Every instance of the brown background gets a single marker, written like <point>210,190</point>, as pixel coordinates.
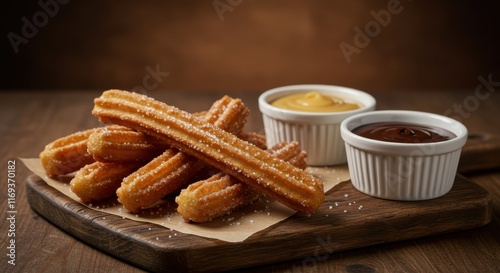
<point>252,45</point>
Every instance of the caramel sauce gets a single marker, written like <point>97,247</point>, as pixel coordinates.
<point>403,132</point>
<point>313,102</point>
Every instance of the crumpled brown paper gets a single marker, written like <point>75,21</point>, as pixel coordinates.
<point>234,227</point>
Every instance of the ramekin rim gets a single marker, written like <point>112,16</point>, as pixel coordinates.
<point>457,142</point>
<point>265,107</point>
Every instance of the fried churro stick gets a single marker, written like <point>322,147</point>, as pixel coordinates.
<point>256,139</point>
<point>276,178</point>
<point>66,154</point>
<point>222,194</point>
<point>216,196</point>
<point>98,181</point>
<point>122,144</point>
<point>169,171</point>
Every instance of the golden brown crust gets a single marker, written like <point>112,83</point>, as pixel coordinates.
<point>256,139</point>
<point>98,181</point>
<point>221,194</point>
<point>121,144</point>
<point>161,176</point>
<point>276,178</point>
<point>214,197</point>
<point>171,170</point>
<point>66,154</point>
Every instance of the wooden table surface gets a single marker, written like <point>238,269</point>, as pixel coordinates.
<point>32,119</point>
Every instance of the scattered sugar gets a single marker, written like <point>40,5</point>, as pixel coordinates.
<point>345,211</point>
<point>360,207</point>
<point>346,195</point>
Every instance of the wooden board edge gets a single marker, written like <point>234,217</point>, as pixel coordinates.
<point>315,244</point>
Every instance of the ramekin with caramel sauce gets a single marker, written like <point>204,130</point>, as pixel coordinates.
<point>311,114</point>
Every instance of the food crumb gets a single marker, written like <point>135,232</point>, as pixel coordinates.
<point>345,211</point>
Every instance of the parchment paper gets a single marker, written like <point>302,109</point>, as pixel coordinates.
<point>235,227</point>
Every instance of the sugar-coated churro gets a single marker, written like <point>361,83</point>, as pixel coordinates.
<point>256,139</point>
<point>121,144</point>
<point>216,196</point>
<point>274,177</point>
<point>66,154</point>
<point>221,194</point>
<point>161,176</point>
<point>169,171</point>
<point>98,181</point>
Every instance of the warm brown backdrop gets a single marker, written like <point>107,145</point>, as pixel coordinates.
<point>253,45</point>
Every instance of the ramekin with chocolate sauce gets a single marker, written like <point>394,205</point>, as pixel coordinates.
<point>311,114</point>
<point>403,155</point>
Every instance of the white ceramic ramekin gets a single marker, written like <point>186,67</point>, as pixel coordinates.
<point>403,171</point>
<point>317,133</point>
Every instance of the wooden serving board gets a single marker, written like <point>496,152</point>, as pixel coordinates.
<point>347,220</point>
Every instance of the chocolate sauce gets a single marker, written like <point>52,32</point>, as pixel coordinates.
<point>403,132</point>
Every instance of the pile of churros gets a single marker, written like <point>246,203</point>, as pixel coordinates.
<point>147,150</point>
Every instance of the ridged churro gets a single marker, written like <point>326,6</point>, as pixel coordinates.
<point>172,169</point>
<point>98,181</point>
<point>221,194</point>
<point>256,139</point>
<point>66,154</point>
<point>274,177</point>
<point>122,144</point>
<point>216,196</point>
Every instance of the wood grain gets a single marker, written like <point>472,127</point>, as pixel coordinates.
<point>481,152</point>
<point>32,119</point>
<point>347,220</point>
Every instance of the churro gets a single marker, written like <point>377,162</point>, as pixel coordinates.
<point>172,169</point>
<point>216,196</point>
<point>99,180</point>
<point>122,144</point>
<point>274,177</point>
<point>66,154</point>
<point>221,194</point>
<point>256,139</point>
